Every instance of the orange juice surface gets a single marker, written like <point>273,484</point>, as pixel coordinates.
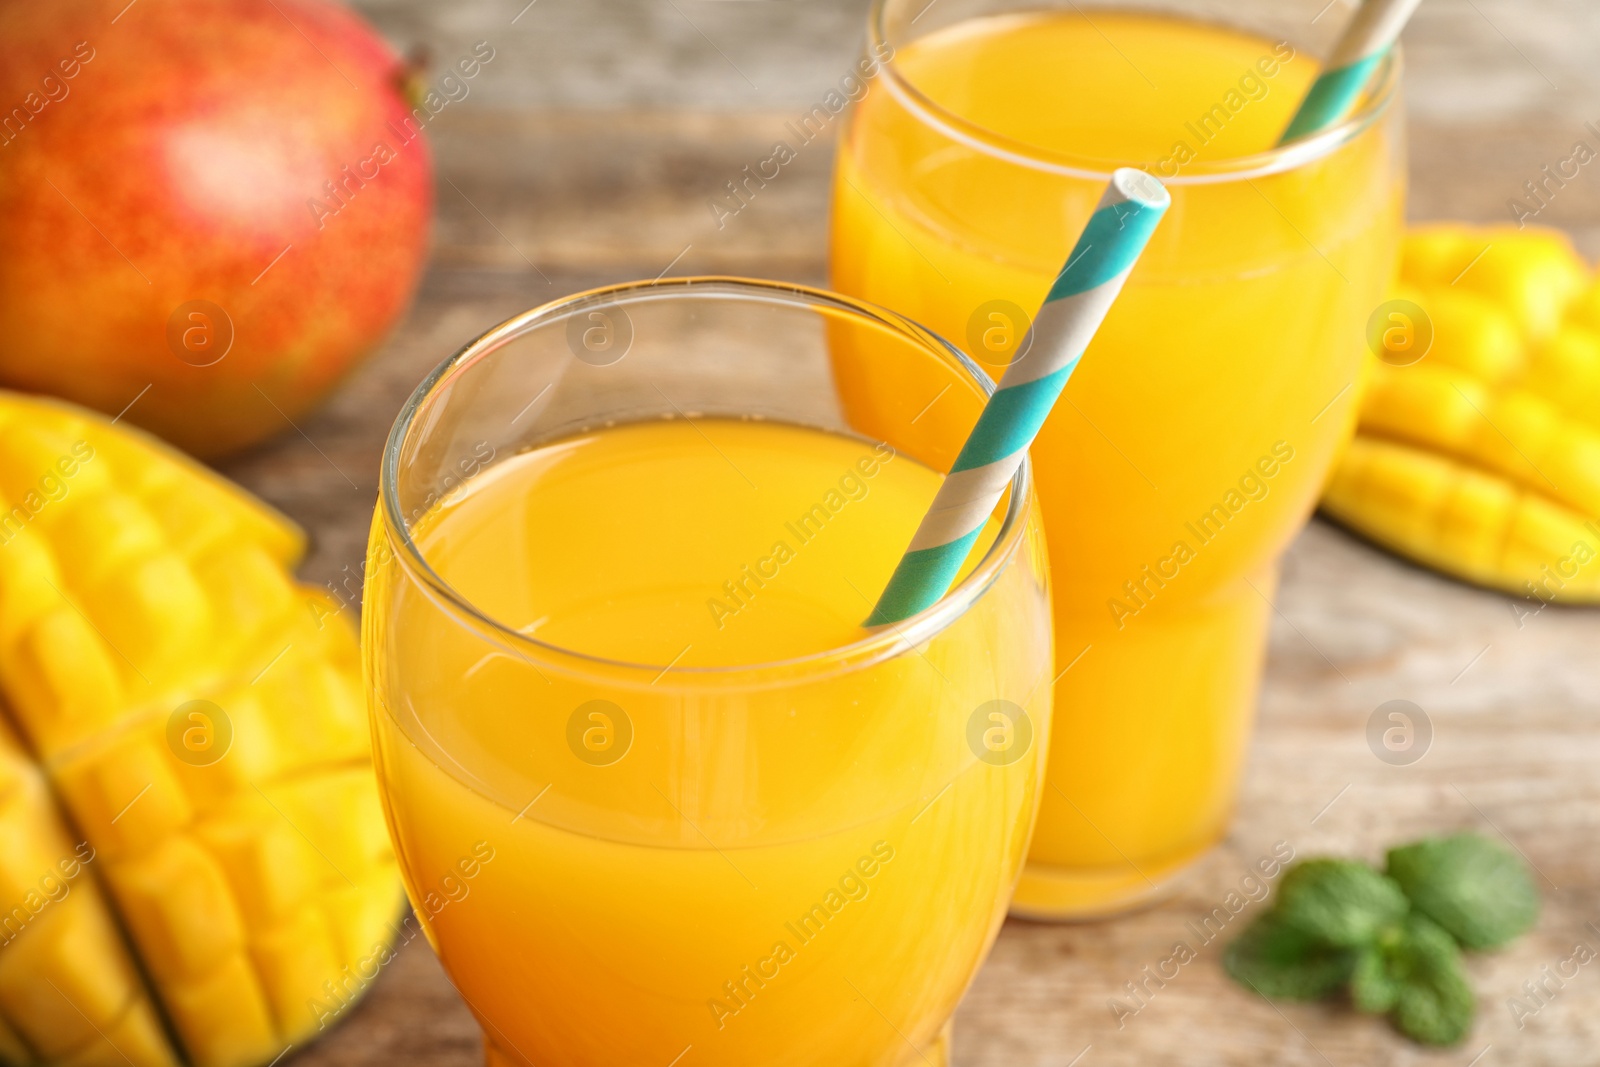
<point>799,865</point>
<point>1191,443</point>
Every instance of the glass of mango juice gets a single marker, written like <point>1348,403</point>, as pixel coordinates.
<point>657,796</point>
<point>1192,443</point>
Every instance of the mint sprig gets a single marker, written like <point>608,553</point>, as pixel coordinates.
<point>1391,939</point>
<point>1342,902</point>
<point>1413,972</point>
<point>1277,959</point>
<point>1474,888</point>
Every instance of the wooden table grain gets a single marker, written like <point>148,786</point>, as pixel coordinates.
<point>586,154</point>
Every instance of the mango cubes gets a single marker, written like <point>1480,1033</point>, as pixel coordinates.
<point>1480,457</point>
<point>193,861</point>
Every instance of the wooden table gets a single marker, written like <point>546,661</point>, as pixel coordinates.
<point>586,154</point>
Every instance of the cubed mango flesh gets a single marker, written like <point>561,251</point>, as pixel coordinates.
<point>1482,458</point>
<point>192,854</point>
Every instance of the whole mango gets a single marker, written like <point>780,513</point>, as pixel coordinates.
<point>1480,456</point>
<point>193,860</point>
<point>215,207</point>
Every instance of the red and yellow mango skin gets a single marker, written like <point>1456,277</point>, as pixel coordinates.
<point>214,206</point>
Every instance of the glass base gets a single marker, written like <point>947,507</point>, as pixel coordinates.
<point>1077,894</point>
<point>936,1054</point>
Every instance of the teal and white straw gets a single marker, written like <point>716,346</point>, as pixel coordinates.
<point>1371,33</point>
<point>1082,294</point>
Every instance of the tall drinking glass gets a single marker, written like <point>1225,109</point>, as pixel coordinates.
<point>1192,443</point>
<point>657,797</point>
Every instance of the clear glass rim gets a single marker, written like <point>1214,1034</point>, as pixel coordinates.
<point>873,647</point>
<point>1386,80</point>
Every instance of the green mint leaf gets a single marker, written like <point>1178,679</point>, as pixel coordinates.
<point>1434,1004</point>
<point>1478,890</point>
<point>1373,986</point>
<point>1280,960</point>
<point>1341,902</point>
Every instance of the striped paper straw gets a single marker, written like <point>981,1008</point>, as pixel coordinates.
<point>1371,33</point>
<point>1083,292</point>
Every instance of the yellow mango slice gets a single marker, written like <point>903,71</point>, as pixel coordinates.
<point>1435,254</point>
<point>200,717</point>
<point>1473,334</point>
<point>1534,273</point>
<point>67,980</point>
<point>1585,310</point>
<point>1482,460</point>
<point>1565,370</point>
<point>178,487</point>
<point>1515,433</point>
<point>1447,515</point>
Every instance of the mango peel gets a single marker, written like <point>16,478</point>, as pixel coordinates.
<point>194,866</point>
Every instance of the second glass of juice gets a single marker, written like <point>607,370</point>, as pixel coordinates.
<point>1192,443</point>
<point>658,798</point>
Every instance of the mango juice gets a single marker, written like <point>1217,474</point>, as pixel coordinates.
<point>762,848</point>
<point>1192,442</point>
